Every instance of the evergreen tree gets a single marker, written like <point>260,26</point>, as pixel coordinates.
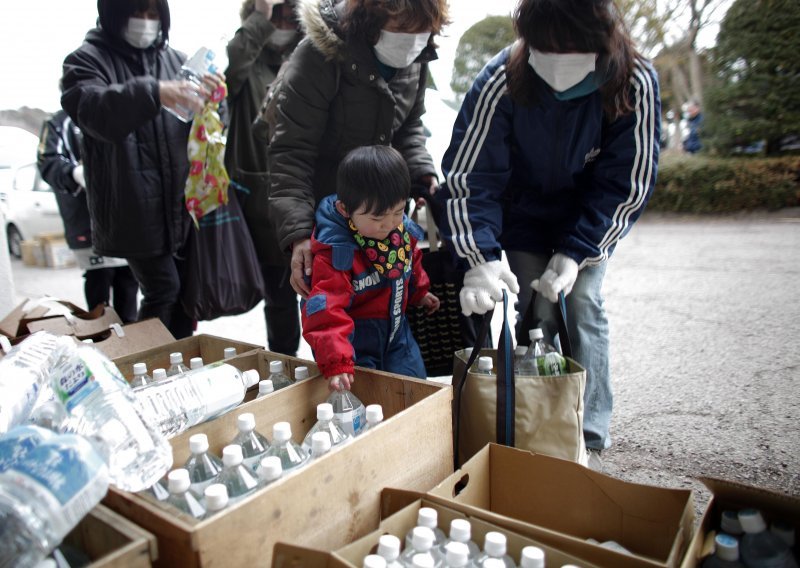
<point>476,47</point>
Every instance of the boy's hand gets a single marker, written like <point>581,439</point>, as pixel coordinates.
<point>341,382</point>
<point>430,303</point>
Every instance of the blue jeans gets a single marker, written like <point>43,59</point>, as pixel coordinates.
<point>588,330</point>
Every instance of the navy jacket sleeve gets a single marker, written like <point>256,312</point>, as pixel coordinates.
<point>54,159</point>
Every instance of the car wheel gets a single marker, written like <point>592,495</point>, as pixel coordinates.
<point>14,241</point>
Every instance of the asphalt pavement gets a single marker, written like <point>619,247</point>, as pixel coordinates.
<point>705,320</point>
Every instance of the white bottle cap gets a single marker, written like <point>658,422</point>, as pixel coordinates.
<point>159,374</point>
<point>216,496</point>
<point>275,366</point>
<point>246,422</point>
<point>229,352</point>
<point>320,444</point>
<point>532,557</point>
<point>178,481</point>
<point>493,563</point>
<point>301,373</point>
<point>175,358</point>
<point>325,411</point>
<point>195,363</point>
<point>389,547</point>
<point>198,443</point>
<point>495,544</point>
<point>535,334</point>
<point>467,352</point>
<point>265,386</point>
<point>460,530</point>
<point>232,455</point>
<point>422,561</point>
<point>427,517</point>
<point>282,432</point>
<point>520,350</point>
<point>88,340</point>
<point>726,547</point>
<point>422,539</point>
<point>783,530</point>
<point>271,468</point>
<point>457,554</point>
<point>374,413</point>
<point>485,363</point>
<point>251,378</point>
<point>752,521</point>
<point>729,522</point>
<point>139,369</point>
<point>374,561</point>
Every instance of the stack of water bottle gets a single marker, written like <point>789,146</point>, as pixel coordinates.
<point>745,540</point>
<point>205,484</point>
<point>426,546</point>
<point>538,359</point>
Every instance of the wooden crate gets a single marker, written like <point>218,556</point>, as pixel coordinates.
<point>328,503</point>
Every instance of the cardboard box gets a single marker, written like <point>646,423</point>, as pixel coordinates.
<point>32,253</point>
<point>111,541</point>
<point>737,496</point>
<point>57,254</point>
<point>119,341</point>
<point>561,504</point>
<point>328,503</point>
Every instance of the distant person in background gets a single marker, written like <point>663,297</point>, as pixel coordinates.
<point>59,161</point>
<point>268,35</point>
<point>694,123</point>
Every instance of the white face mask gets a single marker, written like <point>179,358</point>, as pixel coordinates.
<point>399,50</point>
<point>281,38</point>
<point>562,70</point>
<point>141,33</point>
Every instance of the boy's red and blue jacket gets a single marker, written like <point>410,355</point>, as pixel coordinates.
<point>346,288</point>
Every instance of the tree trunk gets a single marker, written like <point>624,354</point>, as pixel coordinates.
<point>695,76</point>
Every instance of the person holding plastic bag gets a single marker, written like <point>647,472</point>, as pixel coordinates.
<point>553,158</point>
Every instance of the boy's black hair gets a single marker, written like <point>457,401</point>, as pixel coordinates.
<point>373,176</point>
<point>114,15</point>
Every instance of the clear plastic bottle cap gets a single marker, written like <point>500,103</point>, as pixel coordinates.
<point>389,547</point>
<point>726,547</point>
<point>265,386</point>
<point>457,554</point>
<point>232,455</point>
<point>216,496</point>
<point>229,352</point>
<point>175,358</point>
<point>271,468</point>
<point>427,517</point>
<point>520,350</point>
<point>485,363</point>
<point>276,366</point>
<point>535,334</point>
<point>460,530</point>
<point>325,411</point>
<point>139,369</point>
<point>159,374</point>
<point>752,521</point>
<point>422,561</point>
<point>467,352</point>
<point>195,363</point>
<point>178,481</point>
<point>198,443</point>
<point>320,443</point>
<point>422,539</point>
<point>495,544</point>
<point>374,413</point>
<point>282,432</point>
<point>532,557</point>
<point>246,422</point>
<point>374,561</point>
<point>251,378</point>
<point>301,373</point>
<point>729,522</point>
<point>785,531</point>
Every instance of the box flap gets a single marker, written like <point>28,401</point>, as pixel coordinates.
<point>392,500</point>
<point>292,556</point>
<point>735,493</point>
<point>80,324</point>
<point>9,325</point>
<point>136,337</point>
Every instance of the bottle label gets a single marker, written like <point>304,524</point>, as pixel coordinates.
<point>74,381</point>
<point>20,441</point>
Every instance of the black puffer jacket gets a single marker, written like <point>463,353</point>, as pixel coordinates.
<point>134,151</point>
<point>333,99</point>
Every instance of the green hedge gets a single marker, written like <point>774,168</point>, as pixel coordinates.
<point>702,184</point>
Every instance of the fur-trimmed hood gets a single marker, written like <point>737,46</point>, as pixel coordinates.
<point>320,22</point>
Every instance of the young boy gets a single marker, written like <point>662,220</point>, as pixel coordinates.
<point>366,269</point>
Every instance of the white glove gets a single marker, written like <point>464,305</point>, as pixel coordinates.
<point>77,175</point>
<point>559,276</point>
<point>483,287</point>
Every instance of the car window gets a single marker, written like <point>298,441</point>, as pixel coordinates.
<point>27,178</point>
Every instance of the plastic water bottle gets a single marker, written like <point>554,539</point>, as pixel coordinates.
<point>325,423</point>
<point>24,372</point>
<point>519,354</point>
<point>195,363</point>
<point>348,412</point>
<point>300,373</point>
<point>159,374</point>
<point>17,443</point>
<point>237,479</point>
<point>785,531</point>
<point>229,353</point>
<point>158,490</point>
<point>531,557</point>
<point>102,406</point>
<point>422,544</point>
<point>320,444</point>
<point>203,467</point>
<point>291,454</point>
<point>277,376</point>
<point>529,364</point>
<point>494,546</point>
<point>726,553</point>
<point>199,64</point>
<point>176,366</point>
<point>269,470</point>
<point>45,495</point>
<point>140,376</point>
<point>461,532</point>
<point>254,445</point>
<point>429,518</point>
<point>548,361</point>
<point>729,522</point>
<point>265,387</point>
<point>374,414</point>
<point>456,555</point>
<point>760,548</point>
<point>177,403</point>
<point>49,414</point>
<point>494,563</point>
<point>374,561</point>
<point>389,550</point>
<point>179,495</point>
<point>216,498</point>
<point>485,365</point>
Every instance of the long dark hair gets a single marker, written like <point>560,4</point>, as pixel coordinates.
<point>579,26</point>
<point>114,15</point>
<point>364,19</point>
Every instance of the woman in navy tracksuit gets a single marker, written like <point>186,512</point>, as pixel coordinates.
<point>553,158</point>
